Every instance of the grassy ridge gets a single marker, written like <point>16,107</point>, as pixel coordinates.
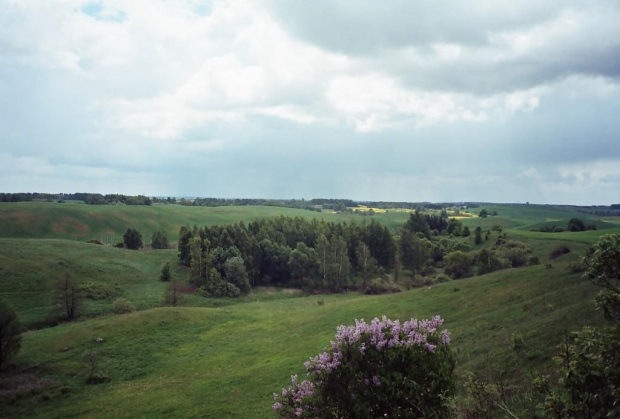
<point>226,362</point>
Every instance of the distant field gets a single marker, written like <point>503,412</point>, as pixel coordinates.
<point>109,222</point>
<point>226,362</point>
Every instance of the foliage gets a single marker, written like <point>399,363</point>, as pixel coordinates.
<point>590,359</point>
<point>123,306</point>
<point>375,370</point>
<point>172,295</point>
<point>99,290</point>
<point>10,337</point>
<point>217,287</point>
<point>590,376</point>
<point>483,214</point>
<point>236,274</point>
<point>164,273</point>
<point>159,240</point>
<point>576,224</point>
<point>602,263</point>
<point>458,264</point>
<point>132,239</point>
<point>380,286</point>
<point>69,296</point>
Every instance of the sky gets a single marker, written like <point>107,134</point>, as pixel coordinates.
<point>472,100</point>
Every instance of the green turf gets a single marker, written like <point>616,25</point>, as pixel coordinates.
<point>226,362</point>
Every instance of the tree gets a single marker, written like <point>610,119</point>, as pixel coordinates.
<point>417,224</point>
<point>483,214</point>
<point>381,369</point>
<point>132,239</point>
<point>589,359</point>
<point>576,224</point>
<point>322,251</point>
<point>366,263</point>
<point>10,337</point>
<point>478,235</point>
<point>159,240</point>
<point>458,264</point>
<point>69,296</point>
<point>172,295</point>
<point>198,264</point>
<point>602,263</point>
<point>466,232</point>
<point>303,262</point>
<point>234,268</point>
<point>164,274</point>
<point>413,251</point>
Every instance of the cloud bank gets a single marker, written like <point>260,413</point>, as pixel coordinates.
<point>468,100</point>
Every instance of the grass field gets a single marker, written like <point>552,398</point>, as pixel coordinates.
<point>108,222</point>
<point>224,358</point>
<point>226,362</point>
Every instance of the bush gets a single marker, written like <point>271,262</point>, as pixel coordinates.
<point>458,264</point>
<point>381,369</point>
<point>559,251</point>
<point>10,337</point>
<point>217,287</point>
<point>123,306</point>
<point>159,240</point>
<point>380,286</point>
<point>164,274</point>
<point>441,278</point>
<point>99,291</point>
<point>94,241</point>
<point>132,239</point>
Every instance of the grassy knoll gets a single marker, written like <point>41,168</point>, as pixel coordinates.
<point>109,222</point>
<point>226,362</point>
<point>29,269</point>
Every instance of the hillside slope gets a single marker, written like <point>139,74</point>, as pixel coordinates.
<point>226,362</point>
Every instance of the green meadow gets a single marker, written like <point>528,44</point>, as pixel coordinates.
<point>225,358</point>
<point>108,222</point>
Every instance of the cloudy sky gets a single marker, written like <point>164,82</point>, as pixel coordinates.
<point>485,100</point>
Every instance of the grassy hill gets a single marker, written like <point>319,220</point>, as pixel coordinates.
<point>226,362</point>
<point>108,222</point>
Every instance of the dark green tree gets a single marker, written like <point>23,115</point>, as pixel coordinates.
<point>478,235</point>
<point>576,224</point>
<point>164,274</point>
<point>159,240</point>
<point>417,224</point>
<point>10,337</point>
<point>132,239</point>
<point>303,262</point>
<point>414,251</point>
<point>483,214</point>
<point>234,269</point>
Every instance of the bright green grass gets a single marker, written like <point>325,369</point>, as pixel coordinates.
<point>226,362</point>
<point>108,222</point>
<point>29,268</point>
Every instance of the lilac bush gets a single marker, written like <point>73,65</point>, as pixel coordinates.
<point>376,369</point>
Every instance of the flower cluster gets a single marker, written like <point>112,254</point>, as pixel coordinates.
<point>380,333</point>
<point>367,339</point>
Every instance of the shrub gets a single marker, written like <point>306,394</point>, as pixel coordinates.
<point>458,264</point>
<point>95,241</point>
<point>159,240</point>
<point>132,239</point>
<point>10,337</point>
<point>381,369</point>
<point>99,291</point>
<point>441,278</point>
<point>123,306</point>
<point>164,274</point>
<point>380,286</point>
<point>559,251</point>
